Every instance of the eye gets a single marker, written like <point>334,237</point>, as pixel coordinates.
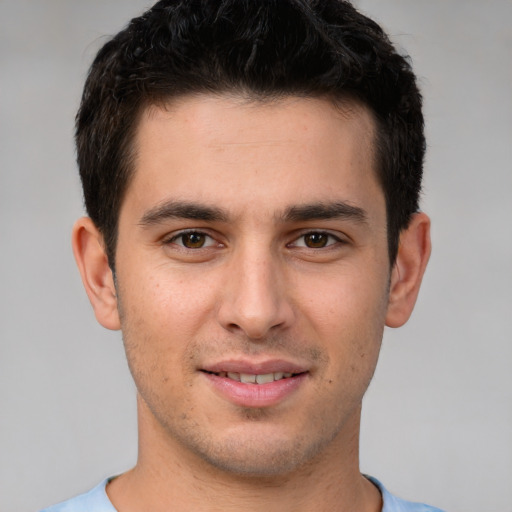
<point>192,240</point>
<point>316,240</point>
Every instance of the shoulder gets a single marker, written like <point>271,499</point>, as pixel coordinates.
<point>96,500</point>
<point>392,503</point>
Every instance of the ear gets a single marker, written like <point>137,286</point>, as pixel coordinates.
<point>407,273</point>
<point>90,256</point>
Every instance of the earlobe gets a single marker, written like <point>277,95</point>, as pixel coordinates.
<point>411,262</point>
<point>96,274</point>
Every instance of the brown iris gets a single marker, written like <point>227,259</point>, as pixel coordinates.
<point>193,240</point>
<point>316,240</point>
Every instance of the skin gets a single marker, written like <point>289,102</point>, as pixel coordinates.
<point>261,280</point>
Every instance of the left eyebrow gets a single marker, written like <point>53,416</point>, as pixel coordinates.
<point>324,211</point>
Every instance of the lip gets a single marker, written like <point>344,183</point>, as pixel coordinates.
<point>256,368</point>
<point>255,395</point>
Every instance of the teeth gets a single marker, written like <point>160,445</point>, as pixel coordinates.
<point>263,379</point>
<point>248,378</point>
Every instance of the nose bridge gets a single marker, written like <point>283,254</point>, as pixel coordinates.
<point>256,298</point>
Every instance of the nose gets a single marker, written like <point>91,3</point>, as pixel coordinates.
<point>256,299</point>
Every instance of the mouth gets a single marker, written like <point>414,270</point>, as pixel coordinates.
<point>250,378</point>
<point>249,385</point>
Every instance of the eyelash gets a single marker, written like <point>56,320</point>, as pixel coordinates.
<point>330,240</point>
<point>173,239</point>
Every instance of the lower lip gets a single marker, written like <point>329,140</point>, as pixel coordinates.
<point>256,395</point>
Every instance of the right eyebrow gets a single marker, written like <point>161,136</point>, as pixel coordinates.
<point>182,210</point>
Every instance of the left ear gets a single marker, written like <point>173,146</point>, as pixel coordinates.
<point>407,273</point>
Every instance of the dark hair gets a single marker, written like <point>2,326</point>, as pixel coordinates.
<point>261,49</point>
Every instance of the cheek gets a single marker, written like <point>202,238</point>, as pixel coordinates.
<point>346,315</point>
<point>168,304</point>
<point>349,298</point>
<point>161,314</point>
<point>148,321</point>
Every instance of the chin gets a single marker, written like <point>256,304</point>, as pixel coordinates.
<point>256,462</point>
<point>261,455</point>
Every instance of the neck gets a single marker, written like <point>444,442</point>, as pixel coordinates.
<point>167,476</point>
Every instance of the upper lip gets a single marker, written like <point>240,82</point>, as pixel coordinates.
<point>254,368</point>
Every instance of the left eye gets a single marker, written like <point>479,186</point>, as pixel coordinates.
<point>192,240</point>
<point>315,240</point>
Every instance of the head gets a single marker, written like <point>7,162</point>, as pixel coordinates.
<point>263,51</point>
<point>250,168</point>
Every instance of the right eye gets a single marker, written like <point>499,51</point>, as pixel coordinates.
<point>192,240</point>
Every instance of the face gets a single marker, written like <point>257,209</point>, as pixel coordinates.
<point>252,278</point>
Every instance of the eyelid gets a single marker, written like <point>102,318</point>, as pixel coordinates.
<point>338,239</point>
<point>172,237</point>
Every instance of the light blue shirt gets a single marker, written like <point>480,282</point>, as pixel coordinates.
<point>97,500</point>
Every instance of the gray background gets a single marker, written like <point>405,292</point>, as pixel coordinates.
<point>437,425</point>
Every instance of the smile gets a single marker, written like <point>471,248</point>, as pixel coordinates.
<point>249,378</point>
<point>255,389</point>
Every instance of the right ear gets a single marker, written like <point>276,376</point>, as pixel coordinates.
<point>91,258</point>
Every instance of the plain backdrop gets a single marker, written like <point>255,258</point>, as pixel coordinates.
<point>437,420</point>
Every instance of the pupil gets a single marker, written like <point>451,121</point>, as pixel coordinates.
<point>316,240</point>
<point>194,240</point>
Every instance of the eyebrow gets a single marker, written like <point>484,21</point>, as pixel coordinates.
<point>182,210</point>
<point>324,211</point>
<point>298,213</point>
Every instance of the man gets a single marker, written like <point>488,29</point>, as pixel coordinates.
<point>251,171</point>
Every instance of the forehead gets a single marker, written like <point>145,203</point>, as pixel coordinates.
<point>219,118</point>
<point>227,148</point>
